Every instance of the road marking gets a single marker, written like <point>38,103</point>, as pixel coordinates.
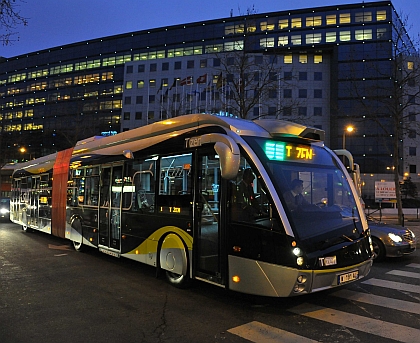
<point>403,273</point>
<point>262,333</point>
<point>377,300</point>
<point>413,265</point>
<point>372,326</point>
<point>393,285</point>
<point>58,247</point>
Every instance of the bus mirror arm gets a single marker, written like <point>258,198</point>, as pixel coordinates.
<point>228,152</point>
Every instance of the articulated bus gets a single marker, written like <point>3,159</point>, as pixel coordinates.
<point>169,195</point>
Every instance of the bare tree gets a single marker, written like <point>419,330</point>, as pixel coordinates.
<point>387,94</point>
<point>10,18</point>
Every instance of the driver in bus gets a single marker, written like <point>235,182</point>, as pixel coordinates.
<point>294,198</point>
<point>245,197</point>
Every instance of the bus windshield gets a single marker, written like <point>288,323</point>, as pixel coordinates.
<point>314,190</point>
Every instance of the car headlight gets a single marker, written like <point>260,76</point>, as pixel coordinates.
<point>4,210</point>
<point>395,238</point>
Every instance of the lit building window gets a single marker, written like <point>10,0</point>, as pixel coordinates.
<point>363,34</point>
<point>331,19</point>
<point>129,85</point>
<point>345,18</point>
<point>283,23</point>
<point>381,15</point>
<point>410,65</point>
<point>296,22</point>
<point>330,37</point>
<point>140,83</point>
<point>303,58</point>
<point>265,26</point>
<point>345,36</point>
<point>283,40</point>
<point>313,21</point>
<point>267,42</point>
<point>313,38</point>
<point>287,59</point>
<point>317,58</point>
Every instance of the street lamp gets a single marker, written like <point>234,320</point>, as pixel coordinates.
<point>348,129</point>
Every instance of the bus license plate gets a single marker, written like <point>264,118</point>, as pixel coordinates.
<point>343,278</point>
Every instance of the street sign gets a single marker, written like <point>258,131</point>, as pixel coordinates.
<point>385,192</point>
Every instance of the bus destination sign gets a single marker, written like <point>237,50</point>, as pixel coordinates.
<point>282,151</point>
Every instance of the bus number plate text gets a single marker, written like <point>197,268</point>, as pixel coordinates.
<point>343,278</point>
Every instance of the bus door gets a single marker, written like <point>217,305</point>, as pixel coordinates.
<point>207,235</point>
<point>110,207</point>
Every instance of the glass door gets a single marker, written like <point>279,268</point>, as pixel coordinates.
<point>110,207</point>
<point>207,220</point>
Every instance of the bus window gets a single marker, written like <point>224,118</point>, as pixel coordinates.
<point>175,185</point>
<point>139,186</point>
<point>249,198</point>
<point>92,186</point>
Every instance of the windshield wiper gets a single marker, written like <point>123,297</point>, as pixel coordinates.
<point>329,243</point>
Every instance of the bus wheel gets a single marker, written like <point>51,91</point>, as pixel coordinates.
<point>26,228</point>
<point>177,280</point>
<point>78,246</point>
<point>174,260</point>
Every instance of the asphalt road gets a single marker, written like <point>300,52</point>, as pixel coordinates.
<point>51,293</point>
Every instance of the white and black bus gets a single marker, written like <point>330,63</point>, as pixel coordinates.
<point>171,195</point>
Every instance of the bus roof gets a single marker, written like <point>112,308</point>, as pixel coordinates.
<point>145,136</point>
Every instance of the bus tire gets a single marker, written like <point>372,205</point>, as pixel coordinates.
<point>173,258</point>
<point>77,226</point>
<point>177,280</point>
<point>78,246</point>
<point>25,228</point>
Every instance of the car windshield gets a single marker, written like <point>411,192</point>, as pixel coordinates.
<point>4,202</point>
<point>314,190</point>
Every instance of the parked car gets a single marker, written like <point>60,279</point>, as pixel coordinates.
<point>390,240</point>
<point>4,208</point>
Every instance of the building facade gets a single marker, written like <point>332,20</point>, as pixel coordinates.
<point>326,66</point>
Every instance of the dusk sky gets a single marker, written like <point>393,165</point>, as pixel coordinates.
<point>53,23</point>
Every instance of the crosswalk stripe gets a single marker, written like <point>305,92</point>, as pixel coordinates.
<point>393,285</point>
<point>377,300</point>
<point>262,333</point>
<point>403,273</point>
<point>372,326</point>
<point>413,265</point>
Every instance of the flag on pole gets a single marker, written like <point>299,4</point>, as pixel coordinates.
<point>202,79</point>
<point>187,81</point>
<point>219,83</point>
<point>173,84</point>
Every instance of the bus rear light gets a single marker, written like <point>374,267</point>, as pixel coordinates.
<point>236,278</point>
<point>236,248</point>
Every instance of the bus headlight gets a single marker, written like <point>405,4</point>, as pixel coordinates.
<point>297,251</point>
<point>299,261</point>
<point>300,284</point>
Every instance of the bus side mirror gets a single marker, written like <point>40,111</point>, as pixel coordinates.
<point>228,151</point>
<point>229,161</point>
